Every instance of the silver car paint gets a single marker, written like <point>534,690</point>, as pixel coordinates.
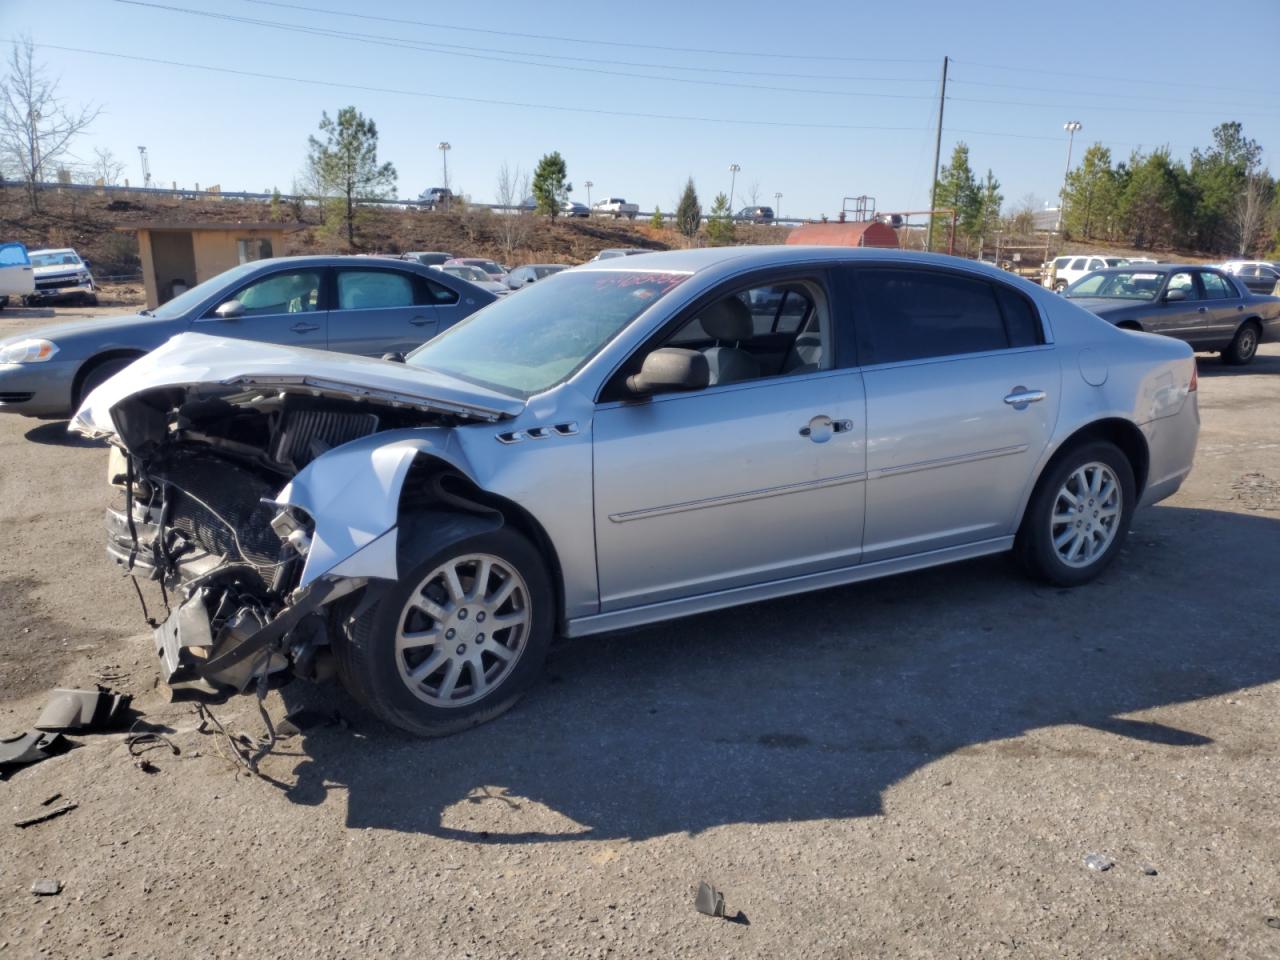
<point>707,510</point>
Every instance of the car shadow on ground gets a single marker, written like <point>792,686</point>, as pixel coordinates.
<point>54,433</point>
<point>813,706</point>
<point>12,312</point>
<point>1262,363</point>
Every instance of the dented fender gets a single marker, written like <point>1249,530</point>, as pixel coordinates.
<point>352,495</point>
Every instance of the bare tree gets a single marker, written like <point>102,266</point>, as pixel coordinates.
<point>513,224</point>
<point>106,167</point>
<point>1249,212</point>
<point>36,128</point>
<point>753,193</point>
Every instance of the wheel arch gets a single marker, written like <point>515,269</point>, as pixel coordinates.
<point>1129,325</point>
<point>1116,430</point>
<point>436,486</point>
<point>97,360</point>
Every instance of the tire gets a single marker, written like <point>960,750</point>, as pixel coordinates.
<point>1048,548</point>
<point>1244,347</point>
<point>381,676</point>
<point>4,302</point>
<point>98,374</point>
<point>89,300</point>
<point>1059,286</point>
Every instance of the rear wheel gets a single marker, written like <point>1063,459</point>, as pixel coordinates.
<point>457,641</point>
<point>1079,515</point>
<point>1244,347</point>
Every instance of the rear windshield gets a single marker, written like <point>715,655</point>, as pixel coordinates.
<point>1121,285</point>
<point>527,344</point>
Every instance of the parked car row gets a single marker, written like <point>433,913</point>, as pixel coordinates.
<point>627,442</point>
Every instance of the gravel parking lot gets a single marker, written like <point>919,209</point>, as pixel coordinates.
<point>913,767</point>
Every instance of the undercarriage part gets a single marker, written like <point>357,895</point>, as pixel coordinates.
<point>28,748</point>
<point>83,710</point>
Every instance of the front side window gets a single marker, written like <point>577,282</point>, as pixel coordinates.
<point>527,344</point>
<point>293,292</point>
<point>1078,264</point>
<point>919,314</point>
<point>1184,282</point>
<point>1096,264</point>
<point>373,289</point>
<point>1216,287</point>
<point>13,255</point>
<point>767,331</point>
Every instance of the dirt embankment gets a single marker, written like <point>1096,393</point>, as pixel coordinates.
<point>89,222</point>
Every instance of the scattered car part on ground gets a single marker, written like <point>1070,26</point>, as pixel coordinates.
<point>368,305</point>
<point>61,275</point>
<point>46,888</point>
<point>45,815</point>
<point>26,748</point>
<point>708,900</point>
<point>1203,306</point>
<point>428,525</point>
<point>88,711</point>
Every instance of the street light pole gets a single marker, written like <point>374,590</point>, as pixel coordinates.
<point>1071,126</point>
<point>444,147</point>
<point>588,184</point>
<point>733,179</point>
<point>777,206</point>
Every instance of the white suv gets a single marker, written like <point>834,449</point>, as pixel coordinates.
<point>1063,271</point>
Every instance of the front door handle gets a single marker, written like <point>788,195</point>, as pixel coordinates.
<point>420,321</point>
<point>1020,396</point>
<point>821,427</point>
<point>301,327</point>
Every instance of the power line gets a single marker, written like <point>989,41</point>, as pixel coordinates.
<point>460,99</point>
<point>382,40</point>
<point>1076,75</point>
<point>1109,95</point>
<point>1122,108</point>
<point>583,40</point>
<point>560,108</point>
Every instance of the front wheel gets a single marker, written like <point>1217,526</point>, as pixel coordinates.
<point>1244,347</point>
<point>457,640</point>
<point>1078,516</point>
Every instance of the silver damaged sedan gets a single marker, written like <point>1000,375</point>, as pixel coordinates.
<point>626,442</point>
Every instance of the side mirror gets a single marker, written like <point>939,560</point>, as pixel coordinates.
<point>1173,296</point>
<point>394,356</point>
<point>87,264</point>
<point>231,310</point>
<point>670,369</point>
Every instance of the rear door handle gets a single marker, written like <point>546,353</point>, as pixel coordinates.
<point>301,327</point>
<point>1019,397</point>
<point>821,427</point>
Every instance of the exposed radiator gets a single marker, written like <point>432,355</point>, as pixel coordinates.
<point>305,434</point>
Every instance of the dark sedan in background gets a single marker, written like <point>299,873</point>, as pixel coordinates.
<point>367,305</point>
<point>1204,306</point>
<point>1259,278</point>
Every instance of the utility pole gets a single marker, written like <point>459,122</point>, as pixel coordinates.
<point>937,155</point>
<point>1071,126</point>
<point>146,167</point>
<point>733,179</point>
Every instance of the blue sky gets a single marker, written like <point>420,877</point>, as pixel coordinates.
<point>828,97</point>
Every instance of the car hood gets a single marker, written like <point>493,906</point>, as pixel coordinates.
<point>59,270</point>
<point>194,359</point>
<point>60,333</point>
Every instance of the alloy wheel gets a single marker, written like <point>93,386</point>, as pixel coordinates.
<point>1086,514</point>
<point>462,630</point>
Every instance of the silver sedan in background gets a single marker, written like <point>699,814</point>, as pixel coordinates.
<point>626,442</point>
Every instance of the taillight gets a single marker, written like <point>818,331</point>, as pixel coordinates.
<point>1195,379</point>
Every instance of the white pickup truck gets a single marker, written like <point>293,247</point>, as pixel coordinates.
<point>615,207</point>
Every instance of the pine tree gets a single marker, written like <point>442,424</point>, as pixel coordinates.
<point>345,162</point>
<point>549,186</point>
<point>656,221</point>
<point>689,211</point>
<point>720,222</point>
<point>1092,197</point>
<point>957,190</point>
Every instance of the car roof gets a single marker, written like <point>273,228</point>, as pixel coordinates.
<point>53,250</point>
<point>1159,267</point>
<point>752,257</point>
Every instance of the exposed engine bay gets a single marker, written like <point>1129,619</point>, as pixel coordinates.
<point>204,508</point>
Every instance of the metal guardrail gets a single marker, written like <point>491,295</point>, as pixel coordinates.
<point>305,199</point>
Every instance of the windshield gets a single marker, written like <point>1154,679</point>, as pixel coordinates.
<point>541,272</point>
<point>1121,285</point>
<point>474,274</point>
<point>63,258</point>
<point>184,302</point>
<point>527,344</point>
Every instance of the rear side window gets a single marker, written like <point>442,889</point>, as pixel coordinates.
<point>438,292</point>
<point>1078,264</point>
<point>13,255</point>
<point>919,314</point>
<point>372,289</point>
<point>1216,287</point>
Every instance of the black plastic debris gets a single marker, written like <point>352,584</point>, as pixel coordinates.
<point>1099,861</point>
<point>83,710</point>
<point>46,815</point>
<point>46,888</point>
<point>307,718</point>
<point>25,748</point>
